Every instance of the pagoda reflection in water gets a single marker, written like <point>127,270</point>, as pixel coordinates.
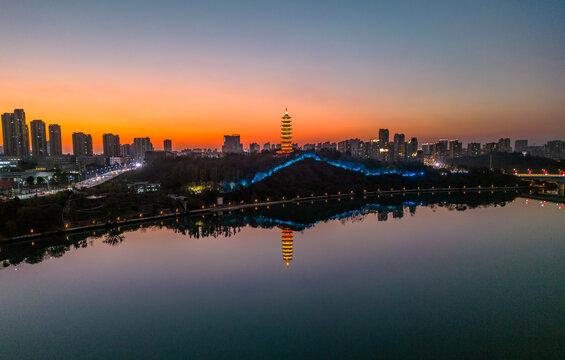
<point>287,239</point>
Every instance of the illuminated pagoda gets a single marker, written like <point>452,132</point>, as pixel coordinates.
<point>286,134</point>
<point>287,239</point>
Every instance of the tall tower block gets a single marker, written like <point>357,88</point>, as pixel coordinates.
<point>286,134</point>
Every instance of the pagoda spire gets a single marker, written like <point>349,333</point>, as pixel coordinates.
<point>286,134</point>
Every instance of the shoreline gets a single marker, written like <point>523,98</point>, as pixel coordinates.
<point>221,208</point>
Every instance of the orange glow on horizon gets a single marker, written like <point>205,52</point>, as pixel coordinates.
<point>200,113</point>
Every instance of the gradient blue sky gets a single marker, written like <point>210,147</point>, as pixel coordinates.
<point>193,71</point>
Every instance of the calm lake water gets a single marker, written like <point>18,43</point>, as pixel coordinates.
<point>456,276</point>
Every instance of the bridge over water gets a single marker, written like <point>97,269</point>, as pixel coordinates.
<point>546,178</point>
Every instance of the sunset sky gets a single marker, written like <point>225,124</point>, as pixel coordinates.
<point>193,71</point>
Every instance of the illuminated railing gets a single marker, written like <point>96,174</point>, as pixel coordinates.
<point>341,164</point>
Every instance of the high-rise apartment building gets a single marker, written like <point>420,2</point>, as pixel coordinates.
<point>20,116</point>
<point>555,149</point>
<point>15,133</point>
<point>356,148</point>
<point>504,145</point>
<point>254,148</point>
<point>490,148</point>
<point>429,149</point>
<point>455,149</point>
<point>167,145</point>
<point>326,146</point>
<point>232,144</point>
<point>111,145</point>
<point>140,146</point>
<point>473,149</point>
<point>55,144</point>
<point>353,147</point>
<point>521,145</point>
<point>373,149</point>
<point>383,138</point>
<point>305,147</point>
<point>399,147</point>
<point>82,144</point>
<point>442,148</point>
<point>38,138</point>
<point>126,150</point>
<point>412,147</point>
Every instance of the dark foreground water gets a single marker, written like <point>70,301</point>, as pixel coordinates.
<point>461,277</point>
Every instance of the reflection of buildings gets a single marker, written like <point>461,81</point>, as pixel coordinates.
<point>226,225</point>
<point>287,239</point>
<point>382,215</point>
<point>398,213</point>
